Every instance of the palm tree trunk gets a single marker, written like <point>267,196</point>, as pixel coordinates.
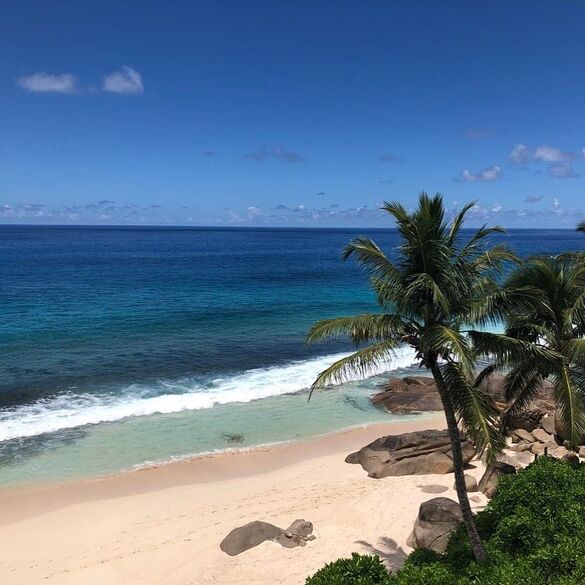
<point>476,544</point>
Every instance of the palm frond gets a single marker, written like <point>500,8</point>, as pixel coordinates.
<point>444,341</point>
<point>569,388</point>
<point>508,350</point>
<point>357,365</point>
<point>475,410</point>
<point>360,328</point>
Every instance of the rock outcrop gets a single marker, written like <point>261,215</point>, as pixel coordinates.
<point>409,394</point>
<point>436,520</point>
<point>417,453</point>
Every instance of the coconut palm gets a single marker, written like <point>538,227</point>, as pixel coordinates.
<point>554,320</point>
<point>442,282</point>
<point>581,226</point>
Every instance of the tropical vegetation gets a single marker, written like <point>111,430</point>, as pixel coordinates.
<point>442,283</point>
<point>554,320</point>
<point>533,530</point>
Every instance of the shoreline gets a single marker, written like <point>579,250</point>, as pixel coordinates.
<point>225,465</point>
<point>163,525</point>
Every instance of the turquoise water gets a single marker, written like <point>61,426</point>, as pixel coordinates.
<point>121,347</point>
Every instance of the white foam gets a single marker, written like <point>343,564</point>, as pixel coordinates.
<point>76,410</point>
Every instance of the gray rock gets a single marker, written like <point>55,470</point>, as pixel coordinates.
<point>582,452</point>
<point>519,460</point>
<point>297,534</point>
<point>542,436</point>
<point>558,452</point>
<point>489,481</point>
<point>521,447</point>
<point>523,435</point>
<point>248,536</point>
<point>410,394</point>
<point>547,422</point>
<point>417,453</point>
<point>470,483</point>
<point>254,533</point>
<point>436,520</point>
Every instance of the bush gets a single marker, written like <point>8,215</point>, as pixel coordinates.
<point>533,530</point>
<point>359,570</point>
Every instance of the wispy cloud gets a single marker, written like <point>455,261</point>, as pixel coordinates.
<point>562,171</point>
<point>547,153</point>
<point>522,154</point>
<point>388,158</point>
<point>533,198</point>
<point>539,216</point>
<point>47,83</point>
<point>275,152</point>
<point>486,175</point>
<point>127,80</point>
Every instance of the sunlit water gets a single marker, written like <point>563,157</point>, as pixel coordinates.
<point>123,347</point>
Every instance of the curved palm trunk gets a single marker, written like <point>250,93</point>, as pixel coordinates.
<point>476,544</point>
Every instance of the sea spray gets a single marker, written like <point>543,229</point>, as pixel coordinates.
<point>70,410</point>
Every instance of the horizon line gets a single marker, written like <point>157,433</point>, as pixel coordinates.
<point>248,227</point>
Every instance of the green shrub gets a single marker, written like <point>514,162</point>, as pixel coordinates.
<point>358,570</point>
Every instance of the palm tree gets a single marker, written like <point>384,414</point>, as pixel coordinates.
<point>441,282</point>
<point>581,226</point>
<point>554,320</point>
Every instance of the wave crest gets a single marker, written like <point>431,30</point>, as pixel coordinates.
<point>69,411</point>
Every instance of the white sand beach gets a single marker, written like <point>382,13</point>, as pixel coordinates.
<point>163,525</point>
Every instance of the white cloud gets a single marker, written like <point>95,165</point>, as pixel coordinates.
<point>47,83</point>
<point>520,154</point>
<point>497,208</point>
<point>547,153</point>
<point>254,212</point>
<point>127,80</point>
<point>557,206</point>
<point>485,176</point>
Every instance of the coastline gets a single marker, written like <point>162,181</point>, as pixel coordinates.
<point>163,524</point>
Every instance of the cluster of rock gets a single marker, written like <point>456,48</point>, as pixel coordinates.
<point>254,533</point>
<point>525,445</point>
<point>413,394</point>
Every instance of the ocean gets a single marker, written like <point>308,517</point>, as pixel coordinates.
<point>127,346</point>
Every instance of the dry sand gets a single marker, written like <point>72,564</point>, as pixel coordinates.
<point>163,525</point>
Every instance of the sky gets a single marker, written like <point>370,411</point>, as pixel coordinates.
<point>305,113</point>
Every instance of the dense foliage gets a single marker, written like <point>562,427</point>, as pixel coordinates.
<point>358,570</point>
<point>554,320</point>
<point>533,530</point>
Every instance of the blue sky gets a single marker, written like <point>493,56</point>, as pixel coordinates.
<point>290,113</point>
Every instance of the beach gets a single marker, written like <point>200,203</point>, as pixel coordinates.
<point>164,524</point>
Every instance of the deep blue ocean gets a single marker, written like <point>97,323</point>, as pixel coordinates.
<point>121,346</point>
